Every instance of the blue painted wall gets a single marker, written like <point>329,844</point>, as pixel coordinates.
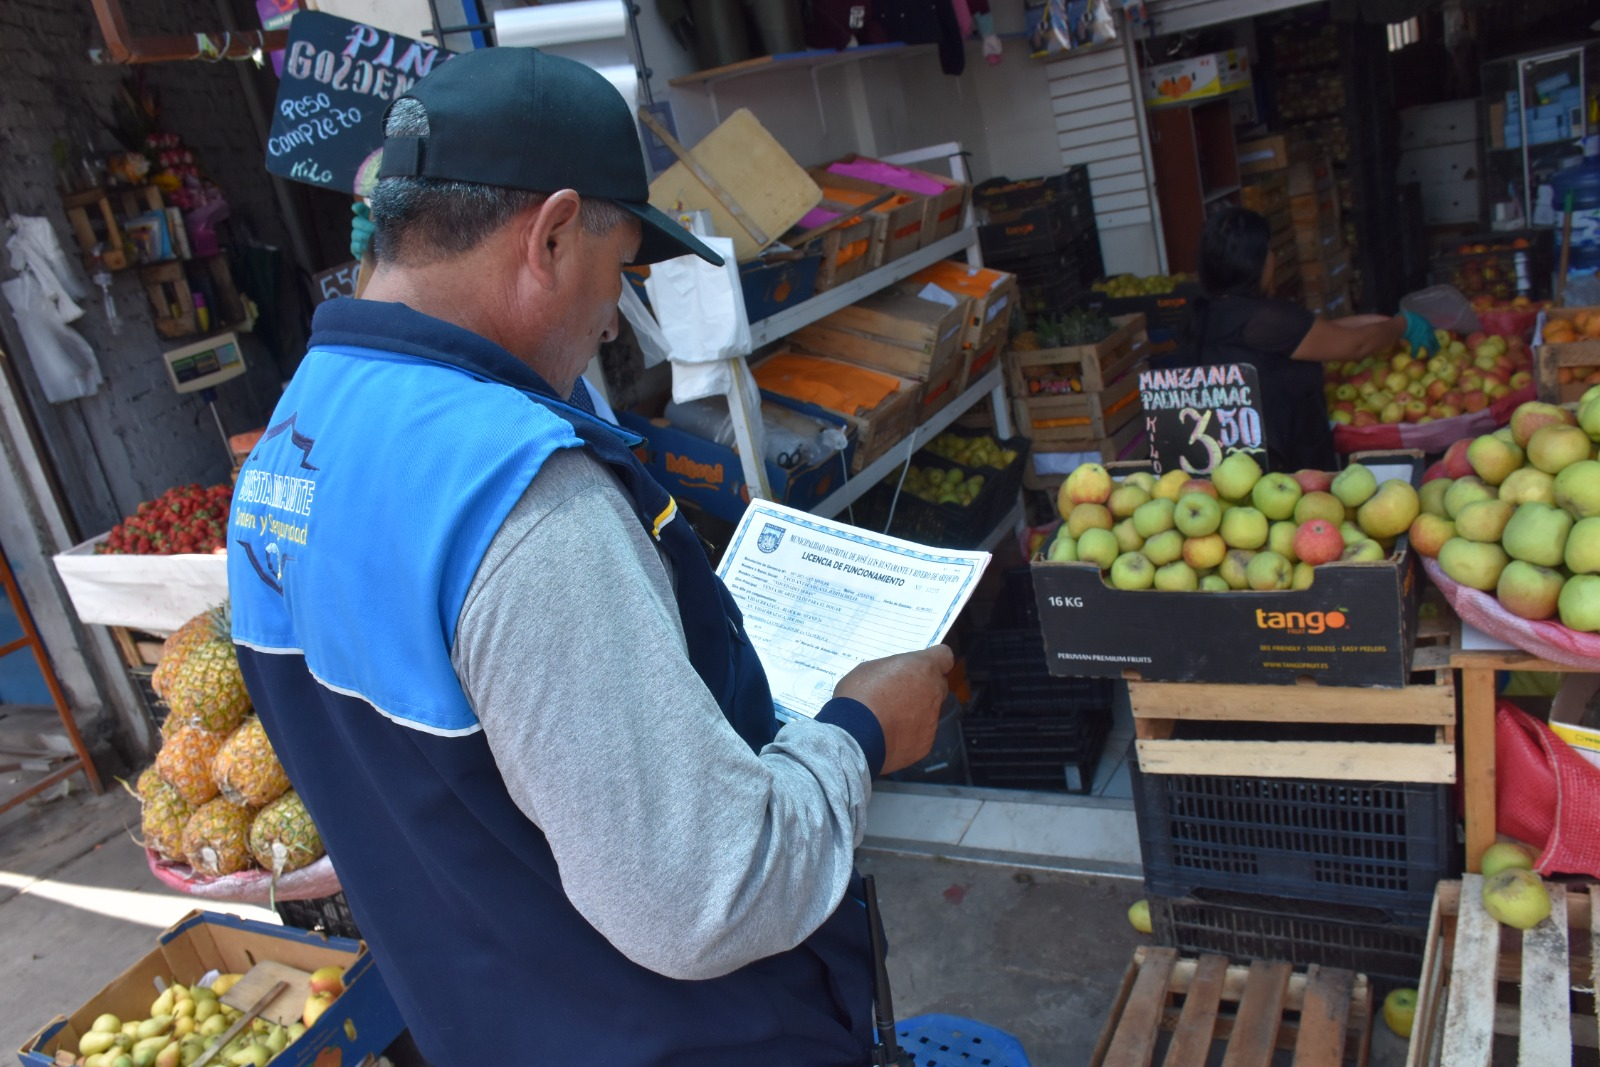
<point>20,680</point>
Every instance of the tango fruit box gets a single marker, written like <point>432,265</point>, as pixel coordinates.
<point>361,1023</point>
<point>1355,626</point>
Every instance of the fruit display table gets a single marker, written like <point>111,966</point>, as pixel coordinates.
<point>1467,962</point>
<point>155,593</point>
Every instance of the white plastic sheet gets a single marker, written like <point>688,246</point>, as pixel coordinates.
<point>155,593</point>
<point>42,297</point>
<point>701,312</point>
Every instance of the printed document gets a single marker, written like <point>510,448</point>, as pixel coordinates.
<point>819,597</point>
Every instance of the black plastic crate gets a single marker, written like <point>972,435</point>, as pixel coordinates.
<point>1385,946</point>
<point>1001,198</point>
<point>331,915</point>
<point>1017,680</point>
<point>1048,750</point>
<point>1384,843</point>
<point>1016,608</point>
<point>946,525</point>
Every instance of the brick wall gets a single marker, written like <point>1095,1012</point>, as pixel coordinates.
<point>136,437</point>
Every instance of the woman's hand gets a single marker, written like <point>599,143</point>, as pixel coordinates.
<point>1419,332</point>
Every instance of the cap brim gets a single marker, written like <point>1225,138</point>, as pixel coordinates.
<point>662,239</point>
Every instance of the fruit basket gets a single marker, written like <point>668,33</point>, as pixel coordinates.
<point>1546,639</point>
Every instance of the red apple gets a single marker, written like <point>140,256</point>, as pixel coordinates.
<point>1364,418</point>
<point>1455,459</point>
<point>329,980</point>
<point>1197,485</point>
<point>1475,339</point>
<point>1476,400</point>
<point>1313,481</point>
<point>1318,541</point>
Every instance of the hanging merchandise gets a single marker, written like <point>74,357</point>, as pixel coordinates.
<point>1056,26</point>
<point>42,296</point>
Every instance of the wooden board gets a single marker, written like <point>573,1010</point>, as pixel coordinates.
<point>1430,705</point>
<point>283,1009</point>
<point>1337,760</point>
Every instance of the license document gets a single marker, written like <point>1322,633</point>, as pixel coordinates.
<point>819,597</point>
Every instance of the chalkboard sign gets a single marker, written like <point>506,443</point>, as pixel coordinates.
<point>335,282</point>
<point>338,79</point>
<point>1197,415</point>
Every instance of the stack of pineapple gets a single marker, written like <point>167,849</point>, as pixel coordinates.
<point>217,797</point>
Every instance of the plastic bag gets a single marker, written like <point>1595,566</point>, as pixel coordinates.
<point>1444,307</point>
<point>700,309</point>
<point>254,886</point>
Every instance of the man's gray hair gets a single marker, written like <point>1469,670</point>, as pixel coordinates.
<point>422,220</point>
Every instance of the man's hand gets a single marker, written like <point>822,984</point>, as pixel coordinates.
<point>905,693</point>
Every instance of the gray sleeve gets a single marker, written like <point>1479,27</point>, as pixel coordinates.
<point>688,852</point>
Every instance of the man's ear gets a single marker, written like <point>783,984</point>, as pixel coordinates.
<point>550,235</point>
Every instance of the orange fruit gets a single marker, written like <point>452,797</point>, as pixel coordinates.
<point>1564,376</point>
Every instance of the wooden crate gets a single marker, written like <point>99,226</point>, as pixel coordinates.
<point>1129,443</point>
<point>1471,958</point>
<point>895,332</point>
<point>1105,387</point>
<point>939,390</point>
<point>137,647</point>
<point>847,253</point>
<point>1323,1016</point>
<point>1159,706</point>
<point>1579,359</point>
<point>900,219</point>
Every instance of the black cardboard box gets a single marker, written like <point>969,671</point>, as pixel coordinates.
<point>1161,311</point>
<point>1356,625</point>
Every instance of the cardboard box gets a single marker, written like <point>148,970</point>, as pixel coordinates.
<point>712,477</point>
<point>1355,626</point>
<point>362,1022</point>
<point>876,430</point>
<point>752,168</point>
<point>892,331</point>
<point>1276,152</point>
<point>993,294</point>
<point>1197,78</point>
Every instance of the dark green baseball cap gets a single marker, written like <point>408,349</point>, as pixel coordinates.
<point>520,118</point>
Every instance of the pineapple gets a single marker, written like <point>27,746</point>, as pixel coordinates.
<point>182,641</point>
<point>246,770</point>
<point>185,762</point>
<point>204,688</point>
<point>216,838</point>
<point>282,837</point>
<point>165,815</point>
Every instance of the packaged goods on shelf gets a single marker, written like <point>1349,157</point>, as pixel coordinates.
<point>1197,78</point>
<point>880,408</point>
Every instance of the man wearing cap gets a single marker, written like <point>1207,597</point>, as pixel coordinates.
<point>497,664</point>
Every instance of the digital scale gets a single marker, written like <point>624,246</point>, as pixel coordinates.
<point>202,366</point>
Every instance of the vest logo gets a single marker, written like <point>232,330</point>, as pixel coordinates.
<point>1300,622</point>
<point>858,17</point>
<point>771,537</point>
<point>685,467</point>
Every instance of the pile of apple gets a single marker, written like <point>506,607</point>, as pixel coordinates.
<point>1465,376</point>
<point>1242,529</point>
<point>1517,514</point>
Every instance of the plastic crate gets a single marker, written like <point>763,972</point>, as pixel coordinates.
<point>1044,733</point>
<point>951,1041</point>
<point>947,525</point>
<point>331,915</point>
<point>1018,681</point>
<point>1384,843</point>
<point>1016,608</point>
<point>1386,947</point>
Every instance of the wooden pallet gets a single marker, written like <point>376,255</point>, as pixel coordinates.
<point>1470,958</point>
<point>1323,1016</point>
<point>1159,706</point>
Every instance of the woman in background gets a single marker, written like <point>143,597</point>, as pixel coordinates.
<point>1237,320</point>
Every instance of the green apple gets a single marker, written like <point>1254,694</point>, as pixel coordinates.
<point>1351,533</point>
<point>1280,539</point>
<point>1466,491</point>
<point>1202,553</point>
<point>1537,533</point>
<point>1400,1011</point>
<point>1589,414</point>
<point>1529,591</point>
<point>1516,898</point>
<point>1063,549</point>
<point>1390,511</point>
<point>1177,577</point>
<point>1475,564</point>
<point>1139,916</point>
<point>1089,483</point>
<point>1578,489</point>
<point>1580,603</point>
<point>1432,496</point>
<point>1235,567</point>
<point>1503,856</point>
<point>1128,537</point>
<point>1494,458</point>
<point>1534,416</point>
<point>1154,517</point>
<point>1214,583</point>
<point>1318,505</point>
<point>1143,479</point>
<point>1164,547</point>
<point>1484,520</point>
<point>1268,571</point>
<point>1244,528</point>
<point>1528,485</point>
<point>1304,575</point>
<point>1088,517</point>
<point>1355,485</point>
<point>1275,495</point>
<point>1367,551</point>
<point>1170,487</point>
<point>1430,532</point>
<point>1197,514</point>
<point>1099,547</point>
<point>1132,570</point>
<point>1125,499</point>
<point>1235,476</point>
<point>1553,449</point>
<point>1582,555</point>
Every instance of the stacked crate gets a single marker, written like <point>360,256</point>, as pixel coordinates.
<point>1043,231</point>
<point>1267,194</point>
<point>1307,229</point>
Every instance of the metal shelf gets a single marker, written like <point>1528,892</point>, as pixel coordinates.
<point>764,331</point>
<point>878,469</point>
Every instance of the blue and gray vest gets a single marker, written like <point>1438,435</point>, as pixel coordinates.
<point>358,523</point>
